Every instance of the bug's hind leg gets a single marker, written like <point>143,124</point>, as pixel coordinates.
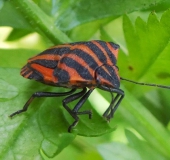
<point>74,113</point>
<point>41,94</point>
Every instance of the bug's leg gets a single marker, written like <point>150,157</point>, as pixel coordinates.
<point>78,106</point>
<point>81,102</point>
<point>109,109</point>
<point>75,112</point>
<point>115,101</point>
<point>70,99</point>
<point>41,94</point>
<point>116,106</point>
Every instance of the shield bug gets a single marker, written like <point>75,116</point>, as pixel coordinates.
<point>79,66</point>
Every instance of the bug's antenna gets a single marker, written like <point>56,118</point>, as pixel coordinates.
<point>146,84</point>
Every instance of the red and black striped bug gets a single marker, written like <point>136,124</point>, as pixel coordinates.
<point>78,65</point>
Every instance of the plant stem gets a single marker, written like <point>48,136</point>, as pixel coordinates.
<point>40,21</point>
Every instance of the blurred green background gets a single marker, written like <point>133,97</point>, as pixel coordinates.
<point>140,129</point>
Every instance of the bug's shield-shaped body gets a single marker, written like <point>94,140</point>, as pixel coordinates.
<point>76,65</point>
<point>79,65</point>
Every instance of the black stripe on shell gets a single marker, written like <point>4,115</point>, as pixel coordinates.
<point>81,70</point>
<point>46,63</point>
<point>56,51</point>
<point>86,57</point>
<point>62,75</point>
<point>97,51</point>
<point>109,53</point>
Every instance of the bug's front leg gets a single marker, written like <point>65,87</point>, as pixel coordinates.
<point>108,114</point>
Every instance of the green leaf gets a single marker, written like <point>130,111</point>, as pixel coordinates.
<point>15,58</point>
<point>7,91</point>
<point>148,57</point>
<point>81,33</point>
<point>1,4</point>
<point>26,128</point>
<point>41,132</point>
<point>74,13</point>
<point>94,127</point>
<point>28,14</point>
<point>142,147</point>
<point>83,12</point>
<point>165,108</point>
<point>164,5</point>
<point>17,33</point>
<point>138,117</point>
<point>44,126</point>
<point>147,49</point>
<point>118,151</point>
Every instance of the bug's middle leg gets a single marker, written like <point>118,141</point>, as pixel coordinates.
<point>74,112</point>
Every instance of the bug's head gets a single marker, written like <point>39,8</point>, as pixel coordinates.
<point>107,75</point>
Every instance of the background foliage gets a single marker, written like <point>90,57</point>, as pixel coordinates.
<point>140,128</point>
